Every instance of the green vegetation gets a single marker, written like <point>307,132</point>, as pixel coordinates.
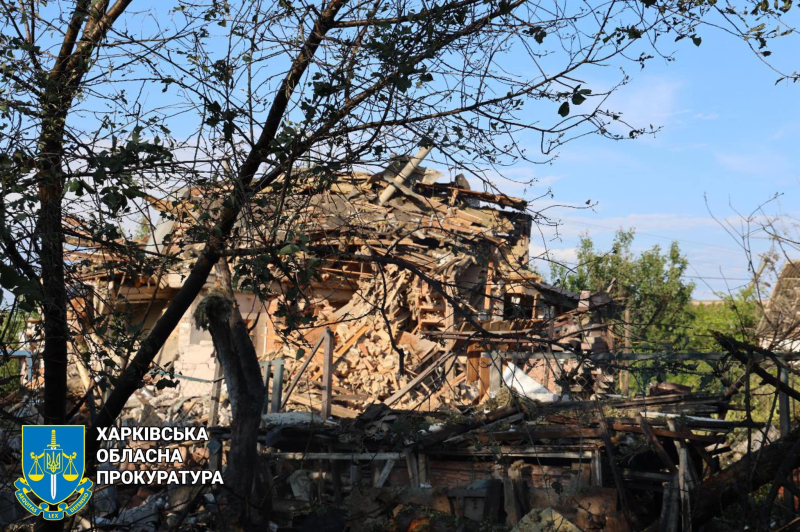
<point>650,284</point>
<point>734,315</point>
<point>663,318</point>
<point>11,326</point>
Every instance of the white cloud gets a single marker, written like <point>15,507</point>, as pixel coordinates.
<point>660,224</point>
<point>759,162</point>
<point>522,181</point>
<point>547,180</point>
<point>649,100</point>
<point>545,254</point>
<point>790,129</point>
<point>706,116</point>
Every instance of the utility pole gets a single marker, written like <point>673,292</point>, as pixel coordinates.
<point>624,381</point>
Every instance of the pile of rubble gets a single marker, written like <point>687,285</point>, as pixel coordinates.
<point>419,283</point>
<point>612,465</point>
<point>150,406</point>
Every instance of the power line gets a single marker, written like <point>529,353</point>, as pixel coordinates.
<point>716,278</point>
<point>661,237</point>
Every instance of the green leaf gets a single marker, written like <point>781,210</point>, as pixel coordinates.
<point>289,249</point>
<point>577,99</point>
<point>564,109</point>
<point>696,40</point>
<point>403,84</point>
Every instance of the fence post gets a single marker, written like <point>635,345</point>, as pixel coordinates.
<point>495,373</point>
<point>266,372</point>
<point>216,388</point>
<point>327,375</point>
<point>785,428</point>
<point>277,385</point>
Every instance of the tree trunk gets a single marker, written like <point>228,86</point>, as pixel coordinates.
<point>219,313</point>
<point>54,290</point>
<point>129,381</point>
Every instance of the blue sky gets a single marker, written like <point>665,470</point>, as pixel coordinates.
<point>729,134</point>
<point>728,137</point>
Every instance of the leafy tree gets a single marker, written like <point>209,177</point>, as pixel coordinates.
<point>650,285</point>
<point>735,315</point>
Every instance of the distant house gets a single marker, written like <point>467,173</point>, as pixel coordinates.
<point>779,328</point>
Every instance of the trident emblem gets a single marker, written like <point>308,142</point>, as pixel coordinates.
<point>53,465</point>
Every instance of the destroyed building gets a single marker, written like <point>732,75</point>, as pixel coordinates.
<point>408,271</point>
<point>779,327</point>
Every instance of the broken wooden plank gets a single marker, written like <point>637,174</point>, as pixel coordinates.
<point>540,433</point>
<point>413,471</point>
<point>300,372</point>
<point>416,380</point>
<point>670,434</point>
<point>313,402</point>
<point>670,507</point>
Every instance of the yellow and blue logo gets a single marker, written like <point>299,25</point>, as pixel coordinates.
<point>53,460</point>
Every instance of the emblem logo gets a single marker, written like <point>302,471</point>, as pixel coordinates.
<point>53,458</point>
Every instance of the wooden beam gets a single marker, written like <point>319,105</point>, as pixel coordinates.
<point>355,475</point>
<point>513,510</point>
<point>385,472</point>
<point>670,509</point>
<point>684,433</point>
<point>687,435</point>
<point>597,470</point>
<point>336,410</point>
<point>686,480</point>
<point>495,373</point>
<point>416,380</point>
<point>735,348</point>
<point>302,370</point>
<point>540,432</point>
<point>423,469</point>
<point>335,456</point>
<point>277,384</point>
<point>413,471</point>
<point>535,452</point>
